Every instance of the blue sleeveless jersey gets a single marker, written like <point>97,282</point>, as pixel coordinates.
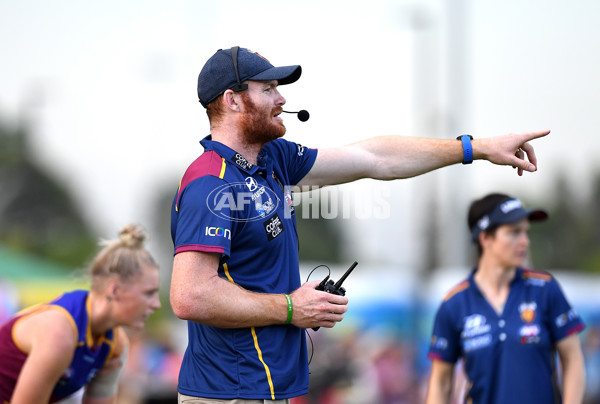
<point>87,360</point>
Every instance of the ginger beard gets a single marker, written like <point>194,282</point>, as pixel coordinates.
<point>257,124</point>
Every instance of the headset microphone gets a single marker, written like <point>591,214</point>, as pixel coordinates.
<point>303,114</point>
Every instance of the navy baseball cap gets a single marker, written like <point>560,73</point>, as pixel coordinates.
<point>218,73</point>
<point>508,211</point>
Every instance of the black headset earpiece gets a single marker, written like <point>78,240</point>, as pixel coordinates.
<point>234,56</point>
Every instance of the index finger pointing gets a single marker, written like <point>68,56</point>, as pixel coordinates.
<point>534,135</point>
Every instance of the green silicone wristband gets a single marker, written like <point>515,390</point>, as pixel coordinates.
<point>290,309</point>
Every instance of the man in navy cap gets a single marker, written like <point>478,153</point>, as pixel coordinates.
<point>236,268</point>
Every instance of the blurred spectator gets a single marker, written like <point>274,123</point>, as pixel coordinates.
<point>8,300</point>
<point>396,378</point>
<point>150,375</point>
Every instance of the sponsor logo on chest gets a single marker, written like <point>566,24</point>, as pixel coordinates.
<point>530,334</point>
<point>475,324</point>
<point>476,332</point>
<point>273,227</point>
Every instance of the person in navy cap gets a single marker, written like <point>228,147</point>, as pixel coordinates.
<point>506,322</point>
<point>236,265</point>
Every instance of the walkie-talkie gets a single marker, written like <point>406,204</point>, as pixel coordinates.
<point>327,285</point>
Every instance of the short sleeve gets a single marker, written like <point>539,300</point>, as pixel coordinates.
<point>564,320</point>
<point>445,341</point>
<point>297,160</point>
<point>203,223</point>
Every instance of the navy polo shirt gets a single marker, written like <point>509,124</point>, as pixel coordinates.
<point>508,358</point>
<point>245,213</point>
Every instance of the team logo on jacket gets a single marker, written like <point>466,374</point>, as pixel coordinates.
<point>527,311</point>
<point>273,227</point>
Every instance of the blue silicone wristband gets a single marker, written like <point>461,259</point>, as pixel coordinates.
<point>467,148</point>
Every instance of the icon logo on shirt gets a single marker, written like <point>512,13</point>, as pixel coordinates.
<point>217,232</point>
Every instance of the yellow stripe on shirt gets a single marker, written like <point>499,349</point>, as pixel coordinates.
<point>222,173</point>
<point>263,362</point>
<point>254,336</point>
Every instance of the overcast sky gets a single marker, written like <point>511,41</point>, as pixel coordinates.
<point>111,86</point>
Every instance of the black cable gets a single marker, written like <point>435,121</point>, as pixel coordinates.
<point>318,266</point>
<point>312,347</point>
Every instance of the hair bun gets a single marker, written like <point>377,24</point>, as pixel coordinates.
<point>133,235</point>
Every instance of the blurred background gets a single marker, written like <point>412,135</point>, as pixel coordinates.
<point>99,119</point>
